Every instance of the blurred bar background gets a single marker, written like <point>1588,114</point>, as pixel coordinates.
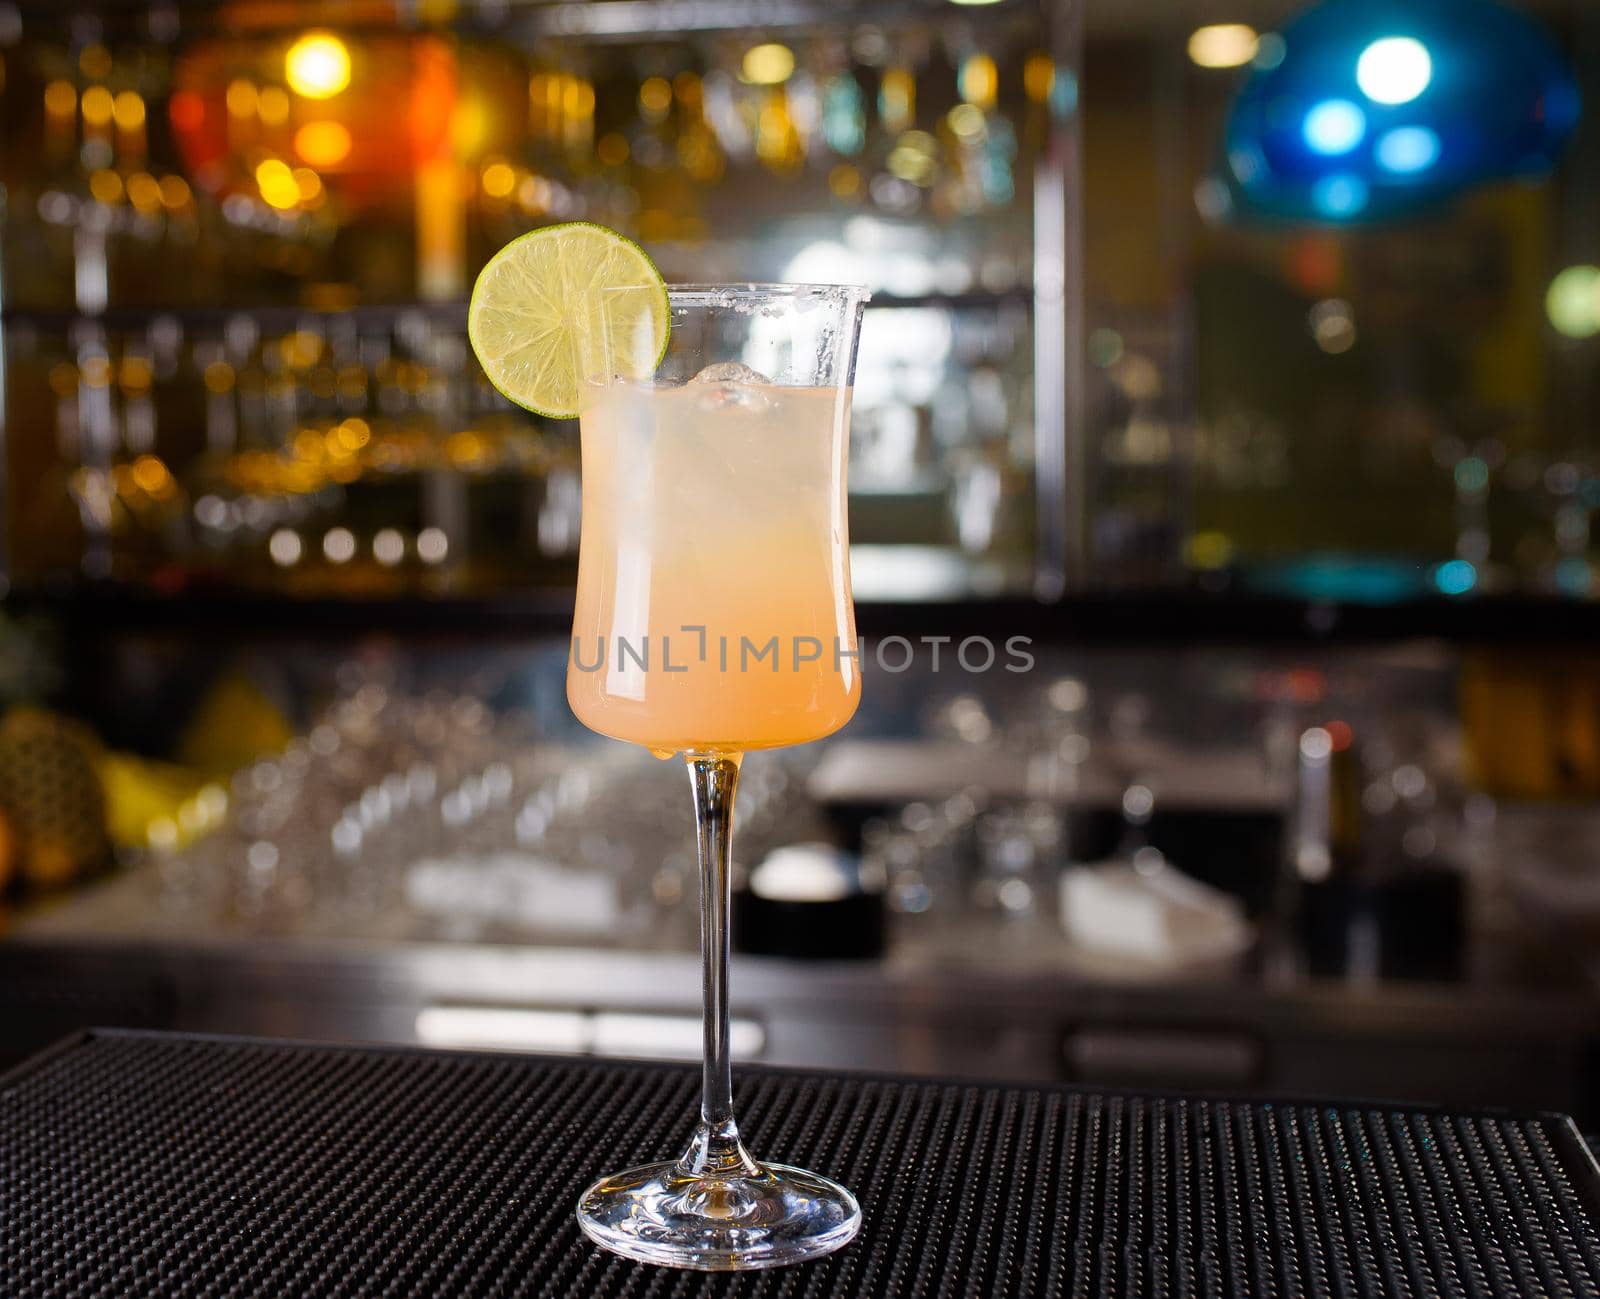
<point>1238,356</point>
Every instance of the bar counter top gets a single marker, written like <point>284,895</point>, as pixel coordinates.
<point>155,1164</point>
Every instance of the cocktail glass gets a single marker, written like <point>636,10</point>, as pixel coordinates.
<point>714,618</point>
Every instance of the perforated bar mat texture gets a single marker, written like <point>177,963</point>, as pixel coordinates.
<point>136,1164</point>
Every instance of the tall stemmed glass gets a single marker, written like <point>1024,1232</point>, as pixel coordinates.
<point>714,618</point>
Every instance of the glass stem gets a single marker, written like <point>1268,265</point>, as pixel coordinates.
<point>716,1149</point>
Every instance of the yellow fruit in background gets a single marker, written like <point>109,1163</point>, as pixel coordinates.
<point>140,792</point>
<point>235,724</point>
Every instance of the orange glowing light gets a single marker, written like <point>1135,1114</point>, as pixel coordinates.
<point>187,110</point>
<point>175,192</point>
<point>60,99</point>
<point>144,191</point>
<point>105,186</point>
<point>355,433</point>
<point>150,474</point>
<point>322,144</point>
<point>577,98</point>
<point>272,105</point>
<point>1340,734</point>
<point>135,376</point>
<point>97,106</point>
<point>241,97</point>
<point>1039,76</point>
<point>655,98</point>
<point>499,179</point>
<point>128,110</point>
<point>466,450</point>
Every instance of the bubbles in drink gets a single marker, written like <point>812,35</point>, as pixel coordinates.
<point>730,385</point>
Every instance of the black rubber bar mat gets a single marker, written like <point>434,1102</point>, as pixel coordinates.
<point>136,1164</point>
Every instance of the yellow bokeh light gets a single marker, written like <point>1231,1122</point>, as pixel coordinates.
<point>1038,76</point>
<point>1208,550</point>
<point>175,192</point>
<point>577,98</point>
<point>499,179</point>
<point>347,438</point>
<point>135,375</point>
<point>1223,45</point>
<point>767,65</point>
<point>94,61</point>
<point>144,191</point>
<point>97,106</point>
<point>105,186</point>
<point>897,98</point>
<point>700,156</point>
<point>966,120</point>
<point>655,98</point>
<point>354,433</point>
<point>128,110</point>
<point>470,127</point>
<point>241,97</point>
<point>466,450</point>
<point>218,377</point>
<point>60,99</point>
<point>910,164</point>
<point>277,183</point>
<point>317,65</point>
<point>150,474</point>
<point>612,149</point>
<point>845,181</point>
<point>979,80</point>
<point>300,349</point>
<point>272,105</point>
<point>1573,301</point>
<point>308,183</point>
<point>322,144</point>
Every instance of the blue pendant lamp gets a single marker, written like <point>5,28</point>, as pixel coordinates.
<point>1361,110</point>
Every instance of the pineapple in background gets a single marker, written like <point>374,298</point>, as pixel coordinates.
<point>68,804</point>
<point>52,798</point>
<point>52,804</point>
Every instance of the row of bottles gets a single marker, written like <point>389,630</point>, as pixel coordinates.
<point>322,168</point>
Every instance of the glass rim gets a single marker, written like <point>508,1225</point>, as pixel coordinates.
<point>752,290</point>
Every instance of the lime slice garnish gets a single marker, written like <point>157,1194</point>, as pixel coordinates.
<point>535,313</point>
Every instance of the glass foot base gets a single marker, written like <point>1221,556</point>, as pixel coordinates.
<point>719,1222</point>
